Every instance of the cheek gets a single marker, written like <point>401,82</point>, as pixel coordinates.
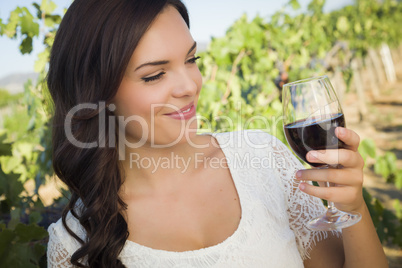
<point>131,100</point>
<point>135,112</point>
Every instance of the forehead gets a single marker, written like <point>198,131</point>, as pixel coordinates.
<point>168,35</point>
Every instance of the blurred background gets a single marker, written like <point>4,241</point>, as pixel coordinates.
<point>248,50</point>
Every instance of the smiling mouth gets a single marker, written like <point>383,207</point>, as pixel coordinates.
<point>184,113</point>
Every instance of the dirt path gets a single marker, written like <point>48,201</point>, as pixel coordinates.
<point>383,124</point>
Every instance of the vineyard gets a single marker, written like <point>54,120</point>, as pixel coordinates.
<point>359,47</point>
<point>384,124</point>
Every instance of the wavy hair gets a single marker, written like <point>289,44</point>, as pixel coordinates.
<point>90,54</point>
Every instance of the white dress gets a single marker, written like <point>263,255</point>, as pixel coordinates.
<point>271,232</point>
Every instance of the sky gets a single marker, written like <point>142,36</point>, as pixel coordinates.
<point>207,18</point>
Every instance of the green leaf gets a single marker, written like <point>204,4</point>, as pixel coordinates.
<point>378,206</point>
<point>38,11</point>
<point>398,179</point>
<point>367,148</point>
<point>38,251</point>
<point>10,28</point>
<point>25,149</point>
<point>21,255</point>
<point>6,237</point>
<point>342,24</point>
<point>368,24</point>
<point>9,163</point>
<point>41,61</point>
<point>358,28</point>
<point>48,6</point>
<point>15,218</point>
<point>295,4</point>
<point>391,161</point>
<point>11,187</point>
<point>49,22</point>
<point>1,27</point>
<point>398,208</point>
<point>380,231</point>
<point>27,233</point>
<point>381,167</point>
<point>26,45</point>
<point>28,24</point>
<point>276,105</point>
<point>5,148</point>
<point>35,217</point>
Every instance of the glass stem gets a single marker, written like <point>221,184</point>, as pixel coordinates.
<point>330,204</point>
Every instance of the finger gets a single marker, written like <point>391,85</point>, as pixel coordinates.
<point>339,194</point>
<point>336,176</point>
<point>344,157</point>
<point>349,137</point>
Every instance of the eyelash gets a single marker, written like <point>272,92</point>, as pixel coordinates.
<point>153,78</point>
<point>193,60</point>
<point>159,75</point>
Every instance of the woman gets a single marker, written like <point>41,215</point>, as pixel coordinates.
<point>147,191</point>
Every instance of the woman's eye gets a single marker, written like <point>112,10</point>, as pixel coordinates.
<point>193,60</point>
<point>153,78</point>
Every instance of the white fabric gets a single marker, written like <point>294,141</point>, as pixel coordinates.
<point>271,233</point>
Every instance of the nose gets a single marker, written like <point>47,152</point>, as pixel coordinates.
<point>186,84</point>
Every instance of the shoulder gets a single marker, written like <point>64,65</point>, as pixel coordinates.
<point>252,150</point>
<point>254,140</point>
<point>259,151</point>
<point>62,245</point>
<point>71,221</point>
<point>59,234</point>
<point>243,138</point>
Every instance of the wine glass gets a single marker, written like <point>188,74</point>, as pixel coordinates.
<point>311,113</point>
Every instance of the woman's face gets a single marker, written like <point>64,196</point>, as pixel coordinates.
<point>162,78</point>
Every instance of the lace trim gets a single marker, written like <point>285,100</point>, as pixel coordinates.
<point>271,203</point>
<point>57,254</point>
<point>301,206</point>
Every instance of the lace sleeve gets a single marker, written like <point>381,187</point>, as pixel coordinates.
<point>61,244</point>
<point>301,206</point>
<point>57,254</point>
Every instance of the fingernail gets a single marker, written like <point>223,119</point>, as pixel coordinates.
<point>302,186</point>
<point>313,154</point>
<point>341,131</point>
<point>298,174</point>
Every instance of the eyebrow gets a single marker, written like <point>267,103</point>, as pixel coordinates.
<point>162,62</point>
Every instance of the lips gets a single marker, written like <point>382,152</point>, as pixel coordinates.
<point>184,113</point>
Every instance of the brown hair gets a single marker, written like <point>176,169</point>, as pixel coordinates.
<point>89,56</point>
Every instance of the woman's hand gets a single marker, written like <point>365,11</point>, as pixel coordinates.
<point>361,246</point>
<point>346,181</point>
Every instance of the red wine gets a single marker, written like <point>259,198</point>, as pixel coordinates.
<point>304,136</point>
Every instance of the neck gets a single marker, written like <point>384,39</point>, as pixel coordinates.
<point>163,168</point>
